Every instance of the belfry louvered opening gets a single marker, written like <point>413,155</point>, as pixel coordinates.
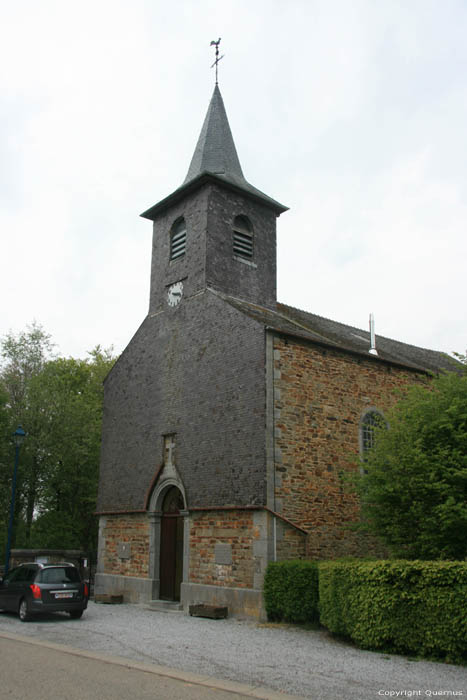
<point>178,239</point>
<point>242,237</point>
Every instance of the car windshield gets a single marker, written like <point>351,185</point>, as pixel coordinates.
<point>59,574</point>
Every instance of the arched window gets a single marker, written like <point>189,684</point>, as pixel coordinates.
<point>242,237</point>
<point>371,421</point>
<point>178,239</point>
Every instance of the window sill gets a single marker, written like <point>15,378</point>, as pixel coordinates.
<point>245,262</point>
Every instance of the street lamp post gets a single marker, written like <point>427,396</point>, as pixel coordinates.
<point>18,436</point>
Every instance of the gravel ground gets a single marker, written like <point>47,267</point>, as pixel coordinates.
<point>293,660</point>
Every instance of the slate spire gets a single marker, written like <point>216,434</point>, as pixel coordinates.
<point>215,159</point>
<point>215,151</point>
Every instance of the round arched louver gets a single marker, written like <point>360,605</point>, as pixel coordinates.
<point>178,239</point>
<point>242,237</point>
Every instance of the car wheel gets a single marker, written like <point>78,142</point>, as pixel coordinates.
<point>23,610</point>
<point>76,614</point>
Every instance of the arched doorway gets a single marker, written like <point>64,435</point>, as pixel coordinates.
<point>171,551</point>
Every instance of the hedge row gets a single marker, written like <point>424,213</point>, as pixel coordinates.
<point>291,591</point>
<point>409,607</point>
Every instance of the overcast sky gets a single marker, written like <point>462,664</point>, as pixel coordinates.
<point>353,114</point>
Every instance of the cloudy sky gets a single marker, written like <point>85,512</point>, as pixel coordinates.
<point>353,114</point>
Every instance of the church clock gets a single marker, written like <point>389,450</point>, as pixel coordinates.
<point>175,293</point>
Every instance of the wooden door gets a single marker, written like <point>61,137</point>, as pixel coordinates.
<point>171,552</point>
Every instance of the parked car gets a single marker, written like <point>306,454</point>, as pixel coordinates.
<point>34,588</point>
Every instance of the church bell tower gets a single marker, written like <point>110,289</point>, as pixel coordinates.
<point>216,230</point>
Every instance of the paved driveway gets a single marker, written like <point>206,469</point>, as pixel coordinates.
<point>288,659</point>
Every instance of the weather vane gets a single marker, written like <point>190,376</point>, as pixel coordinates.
<point>216,44</point>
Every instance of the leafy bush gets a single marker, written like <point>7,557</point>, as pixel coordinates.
<point>414,489</point>
<point>410,607</point>
<point>291,591</point>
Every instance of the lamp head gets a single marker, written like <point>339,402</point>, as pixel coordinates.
<point>19,436</point>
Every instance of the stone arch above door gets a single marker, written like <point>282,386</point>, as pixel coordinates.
<point>160,491</point>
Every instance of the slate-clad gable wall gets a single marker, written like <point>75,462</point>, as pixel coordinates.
<point>196,371</point>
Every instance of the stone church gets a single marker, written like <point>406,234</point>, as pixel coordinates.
<point>230,418</point>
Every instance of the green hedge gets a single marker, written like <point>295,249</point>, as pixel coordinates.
<point>291,591</point>
<point>409,607</point>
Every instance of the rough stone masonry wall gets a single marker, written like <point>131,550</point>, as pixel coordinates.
<point>290,542</point>
<point>236,532</point>
<point>131,531</point>
<point>319,398</point>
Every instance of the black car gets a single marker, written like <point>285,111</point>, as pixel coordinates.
<point>34,588</point>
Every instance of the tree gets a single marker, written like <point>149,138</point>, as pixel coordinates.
<point>72,392</point>
<point>58,401</point>
<point>414,487</point>
<point>23,357</point>
<point>6,463</point>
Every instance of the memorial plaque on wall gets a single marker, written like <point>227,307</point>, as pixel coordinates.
<point>223,553</point>
<point>124,550</point>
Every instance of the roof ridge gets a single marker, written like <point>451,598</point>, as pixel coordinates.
<point>293,321</point>
<point>302,325</point>
<point>362,330</point>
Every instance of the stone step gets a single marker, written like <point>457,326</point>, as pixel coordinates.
<point>170,606</point>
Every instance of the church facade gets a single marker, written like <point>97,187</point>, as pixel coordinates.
<point>230,419</point>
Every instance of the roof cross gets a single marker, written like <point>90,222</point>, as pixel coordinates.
<point>216,44</point>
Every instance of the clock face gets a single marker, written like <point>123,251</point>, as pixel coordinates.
<point>174,294</point>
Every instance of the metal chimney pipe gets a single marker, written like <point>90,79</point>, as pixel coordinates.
<point>372,350</point>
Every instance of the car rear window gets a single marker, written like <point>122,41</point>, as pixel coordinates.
<point>59,574</point>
